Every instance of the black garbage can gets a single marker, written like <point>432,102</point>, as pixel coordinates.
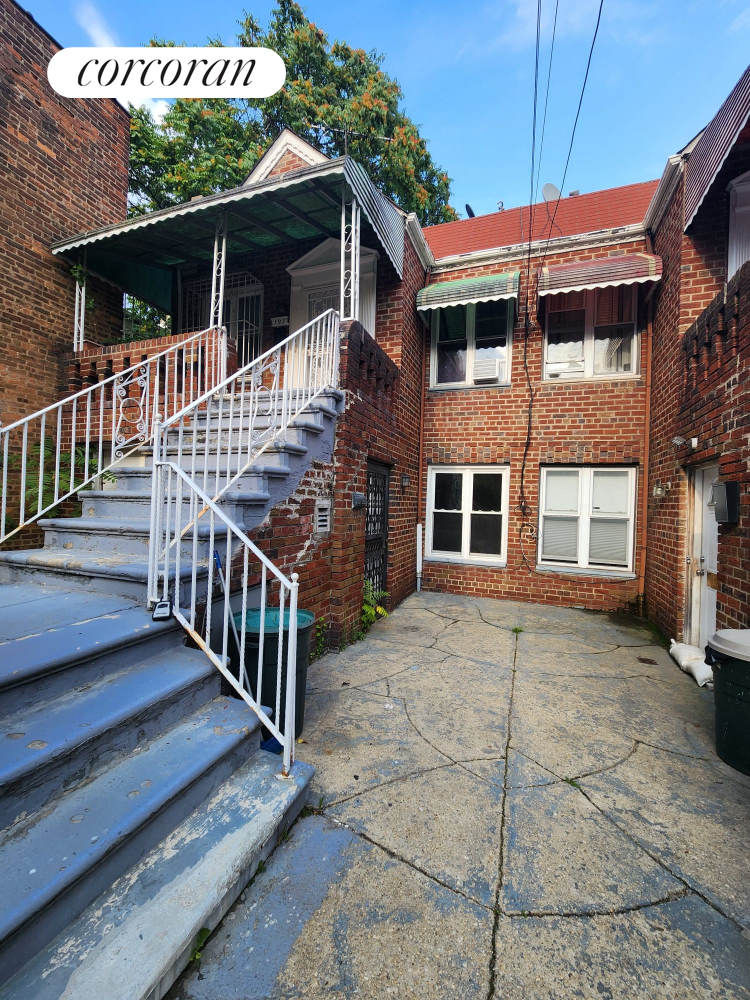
<point>305,621</point>
<point>728,652</point>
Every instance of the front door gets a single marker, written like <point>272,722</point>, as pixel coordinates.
<point>703,564</point>
<point>376,530</point>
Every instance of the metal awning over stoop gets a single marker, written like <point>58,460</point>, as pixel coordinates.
<point>465,291</point>
<point>575,276</point>
<point>142,255</point>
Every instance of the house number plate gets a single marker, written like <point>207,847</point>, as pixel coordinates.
<point>277,321</point>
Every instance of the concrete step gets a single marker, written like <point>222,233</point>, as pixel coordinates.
<point>102,637</point>
<point>134,940</point>
<point>68,739</point>
<point>92,571</point>
<point>130,504</point>
<point>65,856</point>
<point>118,536</point>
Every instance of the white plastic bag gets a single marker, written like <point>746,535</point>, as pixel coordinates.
<point>691,660</point>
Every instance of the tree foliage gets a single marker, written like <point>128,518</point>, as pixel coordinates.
<point>203,146</point>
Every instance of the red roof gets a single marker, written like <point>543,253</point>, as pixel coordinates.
<point>583,213</point>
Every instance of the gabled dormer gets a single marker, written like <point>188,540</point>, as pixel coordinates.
<point>286,153</point>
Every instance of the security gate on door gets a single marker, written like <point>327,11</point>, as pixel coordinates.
<point>376,529</point>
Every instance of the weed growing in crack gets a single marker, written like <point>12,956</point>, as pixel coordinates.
<point>572,783</point>
<point>517,629</point>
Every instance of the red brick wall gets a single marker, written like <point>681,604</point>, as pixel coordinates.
<point>715,408</point>
<point>600,422</point>
<point>695,265</point>
<point>65,170</point>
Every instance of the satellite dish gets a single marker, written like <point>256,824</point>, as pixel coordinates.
<point>550,192</point>
<point>470,211</point>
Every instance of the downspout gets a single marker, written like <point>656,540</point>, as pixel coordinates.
<point>421,457</point>
<point>646,453</point>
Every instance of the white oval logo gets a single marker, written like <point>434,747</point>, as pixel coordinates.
<point>137,73</point>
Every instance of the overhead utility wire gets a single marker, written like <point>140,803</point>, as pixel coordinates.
<point>523,507</point>
<point>546,102</point>
<point>575,126</point>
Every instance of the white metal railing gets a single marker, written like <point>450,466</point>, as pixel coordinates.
<point>190,533</point>
<point>221,434</point>
<point>52,454</point>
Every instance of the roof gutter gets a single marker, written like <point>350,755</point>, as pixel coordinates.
<point>581,241</point>
<point>420,244</point>
<point>673,172</point>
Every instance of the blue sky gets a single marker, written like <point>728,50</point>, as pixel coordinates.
<point>659,73</point>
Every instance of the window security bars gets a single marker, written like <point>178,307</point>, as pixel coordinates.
<point>52,454</point>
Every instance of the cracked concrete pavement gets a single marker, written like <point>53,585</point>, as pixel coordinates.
<point>511,801</point>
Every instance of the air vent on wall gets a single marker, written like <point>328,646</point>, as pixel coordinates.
<point>322,516</point>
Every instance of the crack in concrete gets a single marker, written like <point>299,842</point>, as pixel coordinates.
<point>670,897</point>
<point>503,822</point>
<point>575,777</point>
<point>677,753</point>
<point>411,864</point>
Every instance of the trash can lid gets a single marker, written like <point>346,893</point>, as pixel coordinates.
<point>271,620</point>
<point>734,642</point>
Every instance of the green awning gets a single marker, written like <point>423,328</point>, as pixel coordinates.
<point>461,292</point>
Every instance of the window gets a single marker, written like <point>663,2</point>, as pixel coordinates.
<point>592,334</point>
<point>739,223</point>
<point>587,517</point>
<point>467,513</point>
<point>470,344</point>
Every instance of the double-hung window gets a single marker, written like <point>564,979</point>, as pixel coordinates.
<point>471,344</point>
<point>587,517</point>
<point>467,513</point>
<point>592,333</point>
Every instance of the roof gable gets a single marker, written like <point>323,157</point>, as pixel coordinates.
<point>287,152</point>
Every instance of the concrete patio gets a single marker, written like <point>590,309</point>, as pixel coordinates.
<point>511,801</point>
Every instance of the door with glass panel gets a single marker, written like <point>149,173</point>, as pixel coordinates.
<point>587,517</point>
<point>307,359</point>
<point>703,566</point>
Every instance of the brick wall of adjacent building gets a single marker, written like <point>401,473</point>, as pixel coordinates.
<point>695,270</point>
<point>573,423</point>
<point>65,169</point>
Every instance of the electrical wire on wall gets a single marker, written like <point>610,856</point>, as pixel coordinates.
<point>523,507</point>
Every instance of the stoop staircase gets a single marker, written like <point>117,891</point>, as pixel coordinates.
<point>135,801</point>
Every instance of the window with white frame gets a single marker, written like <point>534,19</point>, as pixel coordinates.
<point>467,513</point>
<point>739,223</point>
<point>471,344</point>
<point>592,333</point>
<point>587,517</point>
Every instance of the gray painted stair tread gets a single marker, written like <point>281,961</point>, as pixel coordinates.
<point>121,566</point>
<point>32,739</point>
<point>61,844</point>
<point>46,608</point>
<point>14,594</point>
<point>33,656</point>
<point>142,931</point>
<point>117,526</point>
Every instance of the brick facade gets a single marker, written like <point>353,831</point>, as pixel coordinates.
<point>695,394</point>
<point>587,422</point>
<point>65,165</point>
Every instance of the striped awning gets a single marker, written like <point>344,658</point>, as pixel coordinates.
<point>466,290</point>
<point>628,269</point>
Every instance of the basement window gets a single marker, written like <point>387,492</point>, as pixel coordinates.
<point>467,513</point>
<point>587,517</point>
<point>592,334</point>
<point>471,344</point>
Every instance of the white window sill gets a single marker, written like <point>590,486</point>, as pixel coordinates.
<point>463,561</point>
<point>458,386</point>
<point>608,574</point>
<point>593,379</point>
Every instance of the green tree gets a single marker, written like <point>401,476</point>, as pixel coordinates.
<point>203,146</point>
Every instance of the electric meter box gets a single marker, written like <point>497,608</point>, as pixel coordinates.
<point>725,498</point>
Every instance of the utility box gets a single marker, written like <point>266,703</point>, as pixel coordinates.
<point>725,498</point>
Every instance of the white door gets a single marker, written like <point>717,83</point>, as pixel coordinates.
<point>704,561</point>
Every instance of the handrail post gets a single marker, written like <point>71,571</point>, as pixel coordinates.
<point>291,678</point>
<point>156,499</point>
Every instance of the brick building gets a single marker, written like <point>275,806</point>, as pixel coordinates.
<point>699,223</point>
<point>65,169</point>
<point>510,381</point>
